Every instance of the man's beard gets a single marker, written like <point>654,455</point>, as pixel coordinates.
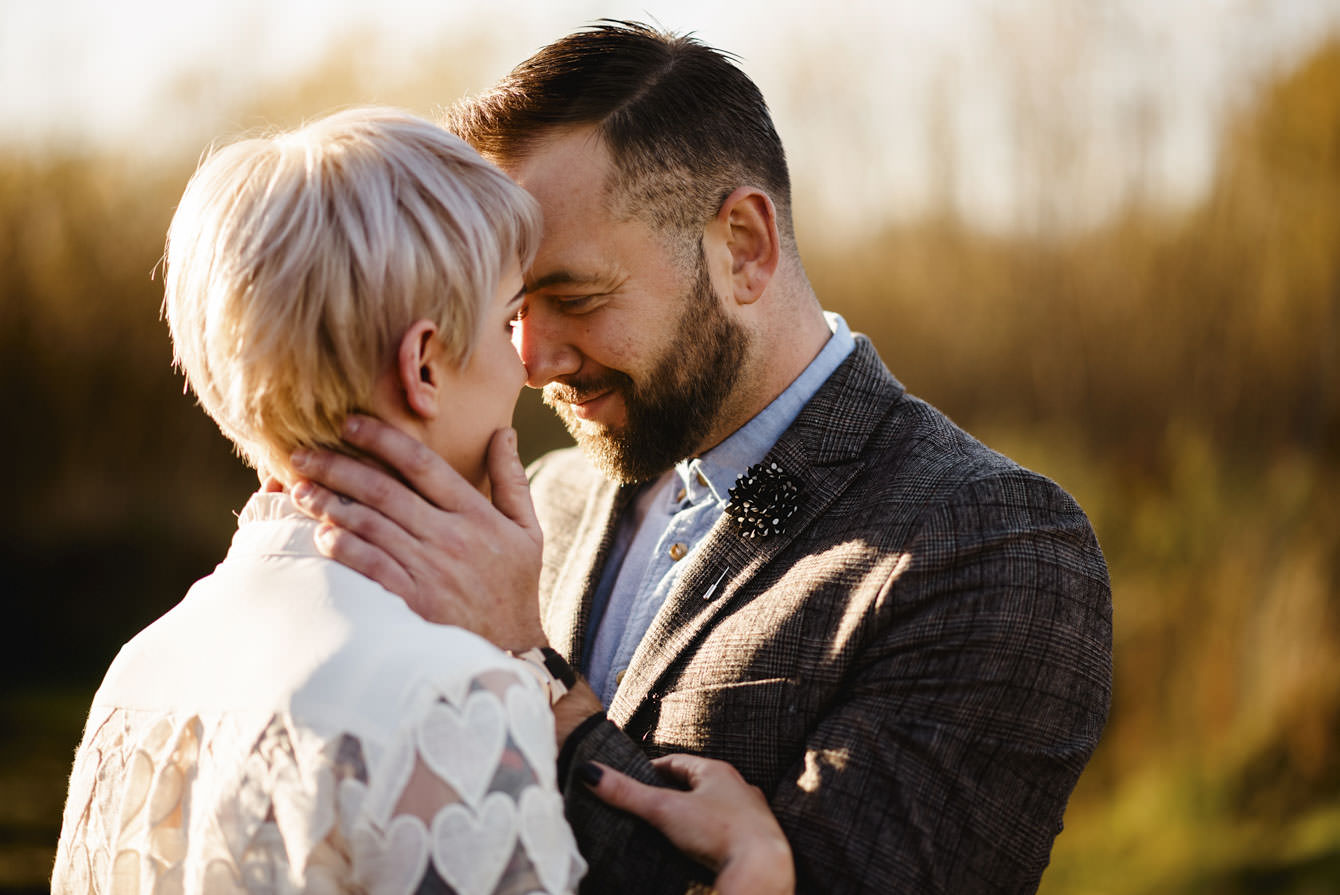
<point>674,409</point>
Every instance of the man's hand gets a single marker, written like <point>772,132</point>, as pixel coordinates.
<point>438,543</point>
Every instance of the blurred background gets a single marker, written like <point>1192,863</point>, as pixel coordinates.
<point>1104,237</point>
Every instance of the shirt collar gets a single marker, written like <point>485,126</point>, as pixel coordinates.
<point>271,525</point>
<point>269,506</point>
<point>717,470</point>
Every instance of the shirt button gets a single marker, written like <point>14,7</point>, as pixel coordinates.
<point>677,551</point>
<point>683,493</point>
<point>618,677</point>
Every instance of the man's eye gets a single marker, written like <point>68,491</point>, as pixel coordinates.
<point>577,303</point>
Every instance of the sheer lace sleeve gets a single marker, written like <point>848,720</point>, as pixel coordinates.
<point>468,798</point>
<point>461,798</point>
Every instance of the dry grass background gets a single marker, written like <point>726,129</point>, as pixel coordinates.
<point>1177,370</point>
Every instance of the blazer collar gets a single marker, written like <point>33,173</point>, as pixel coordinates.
<point>838,421</point>
<point>564,614</point>
<point>822,451</point>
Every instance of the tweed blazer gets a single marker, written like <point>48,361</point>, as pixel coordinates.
<point>915,672</point>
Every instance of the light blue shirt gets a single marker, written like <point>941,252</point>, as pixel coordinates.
<point>673,515</point>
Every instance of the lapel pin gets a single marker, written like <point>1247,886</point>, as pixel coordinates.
<point>764,498</point>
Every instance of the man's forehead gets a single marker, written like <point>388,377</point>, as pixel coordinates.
<point>563,156</point>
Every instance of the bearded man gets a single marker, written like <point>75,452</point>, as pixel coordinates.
<point>763,549</point>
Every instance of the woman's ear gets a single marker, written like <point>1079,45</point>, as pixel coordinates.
<point>419,369</point>
<point>747,222</point>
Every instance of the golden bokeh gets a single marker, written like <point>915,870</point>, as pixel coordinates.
<point>1176,368</point>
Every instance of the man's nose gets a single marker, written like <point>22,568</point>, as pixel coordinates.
<point>543,343</point>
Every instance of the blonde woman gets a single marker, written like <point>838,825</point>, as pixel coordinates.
<point>290,725</point>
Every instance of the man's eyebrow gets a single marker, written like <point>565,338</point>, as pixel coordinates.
<point>567,278</point>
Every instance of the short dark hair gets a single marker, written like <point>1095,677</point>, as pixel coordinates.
<point>684,125</point>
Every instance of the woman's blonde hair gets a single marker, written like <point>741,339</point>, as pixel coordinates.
<point>295,263</point>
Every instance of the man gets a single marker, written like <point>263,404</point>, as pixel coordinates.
<point>763,550</point>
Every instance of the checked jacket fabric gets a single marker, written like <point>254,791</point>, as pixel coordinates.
<point>915,671</point>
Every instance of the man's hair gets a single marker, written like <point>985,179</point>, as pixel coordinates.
<point>296,262</point>
<point>684,126</point>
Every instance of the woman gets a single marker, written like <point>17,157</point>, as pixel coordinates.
<point>290,725</point>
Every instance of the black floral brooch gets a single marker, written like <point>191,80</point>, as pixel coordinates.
<point>763,500</point>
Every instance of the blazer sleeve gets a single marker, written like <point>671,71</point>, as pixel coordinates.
<point>947,763</point>
<point>623,853</point>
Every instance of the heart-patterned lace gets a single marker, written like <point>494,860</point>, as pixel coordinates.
<point>463,748</point>
<point>245,801</point>
<point>532,726</point>
<point>471,850</point>
<point>545,836</point>
<point>392,864</point>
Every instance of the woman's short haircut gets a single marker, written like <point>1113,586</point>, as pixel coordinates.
<point>684,125</point>
<point>296,262</point>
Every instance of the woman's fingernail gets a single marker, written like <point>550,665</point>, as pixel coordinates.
<point>300,458</point>
<point>352,425</point>
<point>589,773</point>
<point>301,491</point>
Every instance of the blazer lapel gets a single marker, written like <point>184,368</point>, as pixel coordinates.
<point>822,450</point>
<point>724,564</point>
<point>568,607</point>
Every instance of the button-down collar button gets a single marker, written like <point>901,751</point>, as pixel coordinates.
<point>618,677</point>
<point>683,493</point>
<point>702,480</point>
<point>677,551</point>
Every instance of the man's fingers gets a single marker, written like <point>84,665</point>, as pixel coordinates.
<point>426,472</point>
<point>367,559</point>
<point>365,484</point>
<point>451,554</point>
<point>343,512</point>
<point>511,490</point>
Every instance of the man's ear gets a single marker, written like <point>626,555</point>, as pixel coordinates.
<point>747,221</point>
<point>419,368</point>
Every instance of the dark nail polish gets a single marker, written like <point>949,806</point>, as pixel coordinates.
<point>589,774</point>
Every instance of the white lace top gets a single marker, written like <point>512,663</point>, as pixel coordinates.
<point>290,726</point>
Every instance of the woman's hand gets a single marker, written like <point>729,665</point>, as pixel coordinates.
<point>721,821</point>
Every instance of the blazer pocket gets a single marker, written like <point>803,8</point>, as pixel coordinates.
<point>748,723</point>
